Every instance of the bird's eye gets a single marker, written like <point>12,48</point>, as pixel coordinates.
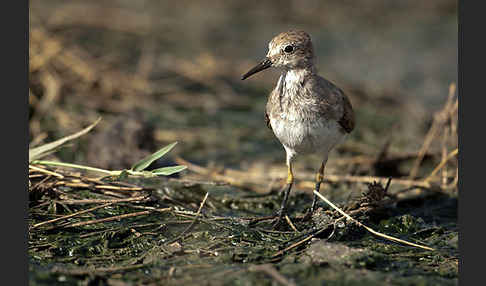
<point>289,49</point>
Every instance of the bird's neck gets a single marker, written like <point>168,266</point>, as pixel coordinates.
<point>292,80</point>
<point>290,91</point>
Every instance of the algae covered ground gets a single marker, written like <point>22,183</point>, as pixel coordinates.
<point>158,73</point>
<point>167,243</point>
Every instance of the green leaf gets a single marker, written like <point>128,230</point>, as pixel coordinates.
<point>123,175</point>
<point>46,149</point>
<point>166,171</point>
<point>145,162</point>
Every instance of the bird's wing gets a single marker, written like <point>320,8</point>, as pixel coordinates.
<point>332,102</point>
<point>267,120</point>
<point>271,106</point>
<point>347,120</point>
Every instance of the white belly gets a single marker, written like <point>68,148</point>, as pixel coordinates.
<point>299,137</point>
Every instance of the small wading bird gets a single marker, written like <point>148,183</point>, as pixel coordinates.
<point>307,113</point>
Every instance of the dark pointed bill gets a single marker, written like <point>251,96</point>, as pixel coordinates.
<point>266,63</point>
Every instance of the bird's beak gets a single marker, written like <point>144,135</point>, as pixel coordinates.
<point>266,63</point>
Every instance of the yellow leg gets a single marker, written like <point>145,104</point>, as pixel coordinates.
<point>320,174</point>
<point>290,175</point>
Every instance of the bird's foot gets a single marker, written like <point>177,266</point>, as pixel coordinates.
<point>313,207</point>
<point>308,214</point>
<point>277,221</point>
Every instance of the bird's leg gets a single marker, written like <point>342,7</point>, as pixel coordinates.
<point>319,177</point>
<point>286,190</point>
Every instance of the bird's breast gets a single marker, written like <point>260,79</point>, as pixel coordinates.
<point>305,136</point>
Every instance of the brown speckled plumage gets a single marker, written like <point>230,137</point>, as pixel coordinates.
<point>322,100</point>
<point>347,120</point>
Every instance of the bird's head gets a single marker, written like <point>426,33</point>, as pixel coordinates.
<point>287,50</point>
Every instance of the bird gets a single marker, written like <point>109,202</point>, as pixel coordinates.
<point>306,112</point>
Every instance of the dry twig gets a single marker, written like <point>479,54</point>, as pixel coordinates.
<point>369,228</point>
<point>112,218</point>
<point>193,222</point>
<point>290,223</point>
<point>70,215</point>
<point>99,201</point>
<point>440,119</point>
